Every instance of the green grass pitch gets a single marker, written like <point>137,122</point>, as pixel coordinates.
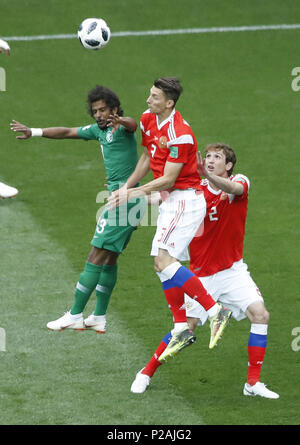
<point>237,89</point>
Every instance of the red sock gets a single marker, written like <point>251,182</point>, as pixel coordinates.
<point>257,345</point>
<point>195,289</point>
<point>153,363</point>
<point>256,356</point>
<point>175,299</point>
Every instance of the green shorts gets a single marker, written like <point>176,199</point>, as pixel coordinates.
<point>115,227</point>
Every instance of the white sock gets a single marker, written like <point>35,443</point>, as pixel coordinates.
<point>75,316</point>
<point>99,317</point>
<point>179,327</point>
<point>213,310</point>
<point>257,328</point>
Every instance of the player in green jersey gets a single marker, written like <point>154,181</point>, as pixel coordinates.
<point>116,135</point>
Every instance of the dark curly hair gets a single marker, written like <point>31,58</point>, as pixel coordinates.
<point>108,96</point>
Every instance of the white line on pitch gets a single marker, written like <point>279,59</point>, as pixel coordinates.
<point>161,32</point>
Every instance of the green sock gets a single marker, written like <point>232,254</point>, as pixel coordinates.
<point>105,286</point>
<point>87,282</point>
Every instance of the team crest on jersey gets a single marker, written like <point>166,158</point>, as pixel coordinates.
<point>187,305</point>
<point>163,142</point>
<point>109,137</point>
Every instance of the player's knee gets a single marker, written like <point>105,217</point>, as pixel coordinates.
<point>94,255</point>
<point>266,316</point>
<point>163,260</point>
<point>261,316</point>
<point>102,256</point>
<point>158,264</point>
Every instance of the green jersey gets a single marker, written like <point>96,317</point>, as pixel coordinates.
<point>119,151</point>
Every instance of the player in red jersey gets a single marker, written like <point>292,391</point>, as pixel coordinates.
<point>171,153</point>
<point>217,259</point>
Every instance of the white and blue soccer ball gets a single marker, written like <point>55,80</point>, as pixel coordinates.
<point>93,33</point>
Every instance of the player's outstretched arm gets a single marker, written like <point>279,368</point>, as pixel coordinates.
<point>234,188</point>
<point>51,132</point>
<point>224,184</point>
<point>165,182</point>
<point>141,170</point>
<point>121,195</point>
<point>128,123</point>
<point>162,183</point>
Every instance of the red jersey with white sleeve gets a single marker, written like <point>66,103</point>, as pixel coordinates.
<point>173,140</point>
<point>222,241</point>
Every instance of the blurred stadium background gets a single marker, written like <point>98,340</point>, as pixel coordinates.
<point>237,89</point>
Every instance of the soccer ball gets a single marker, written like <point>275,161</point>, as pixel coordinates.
<point>93,33</point>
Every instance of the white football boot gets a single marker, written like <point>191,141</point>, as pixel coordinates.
<point>6,191</point>
<point>218,323</point>
<point>259,389</point>
<point>140,383</point>
<point>67,321</point>
<point>96,322</point>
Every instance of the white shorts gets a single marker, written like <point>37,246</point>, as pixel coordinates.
<point>233,287</point>
<point>180,218</point>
